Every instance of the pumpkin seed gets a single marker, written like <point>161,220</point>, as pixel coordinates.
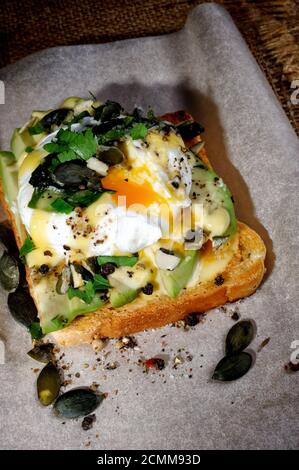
<point>110,155</point>
<point>9,272</point>
<point>48,384</point>
<point>110,110</point>
<point>42,352</point>
<point>74,174</point>
<point>64,281</point>
<point>232,367</point>
<point>7,238</point>
<point>54,117</point>
<point>239,337</point>
<point>77,402</point>
<point>22,307</point>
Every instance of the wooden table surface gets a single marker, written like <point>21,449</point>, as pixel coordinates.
<point>270,27</point>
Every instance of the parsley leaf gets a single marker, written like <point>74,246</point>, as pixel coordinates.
<point>59,205</point>
<point>71,145</point>
<point>84,198</point>
<point>100,282</point>
<point>27,247</point>
<point>113,134</point>
<point>29,149</point>
<point>35,330</point>
<point>86,293</point>
<point>139,131</point>
<point>118,260</point>
<point>37,129</point>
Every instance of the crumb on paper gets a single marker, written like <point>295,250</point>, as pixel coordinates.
<point>88,422</point>
<point>263,344</point>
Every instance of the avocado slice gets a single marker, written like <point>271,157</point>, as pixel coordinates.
<point>174,281</point>
<point>9,176</point>
<point>21,140</point>
<point>120,298</point>
<point>70,310</point>
<point>208,189</point>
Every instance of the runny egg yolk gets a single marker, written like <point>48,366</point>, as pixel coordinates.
<point>134,192</point>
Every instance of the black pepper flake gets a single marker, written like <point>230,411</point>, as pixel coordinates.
<point>88,422</point>
<point>194,318</point>
<point>219,280</point>
<point>175,184</point>
<point>48,253</point>
<point>235,316</point>
<point>130,274</point>
<point>166,251</point>
<point>148,289</point>
<point>44,268</point>
<point>66,247</point>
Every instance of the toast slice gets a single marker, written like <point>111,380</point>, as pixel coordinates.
<point>240,278</point>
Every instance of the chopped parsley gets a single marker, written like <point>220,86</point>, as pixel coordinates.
<point>100,282</point>
<point>85,293</point>
<point>71,145</point>
<point>139,131</point>
<point>36,330</point>
<point>27,247</point>
<point>61,206</point>
<point>37,129</point>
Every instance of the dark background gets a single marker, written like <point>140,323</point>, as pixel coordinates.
<point>270,27</point>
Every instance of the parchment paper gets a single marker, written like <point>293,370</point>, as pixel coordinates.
<point>208,70</point>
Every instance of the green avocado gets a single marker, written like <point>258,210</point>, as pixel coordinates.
<point>70,309</point>
<point>210,190</point>
<point>174,281</point>
<point>21,140</point>
<point>120,298</point>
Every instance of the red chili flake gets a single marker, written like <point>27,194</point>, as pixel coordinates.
<point>291,367</point>
<point>155,363</point>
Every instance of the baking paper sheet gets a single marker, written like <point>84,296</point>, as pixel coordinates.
<point>208,70</point>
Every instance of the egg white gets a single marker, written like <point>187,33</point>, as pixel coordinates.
<point>118,230</point>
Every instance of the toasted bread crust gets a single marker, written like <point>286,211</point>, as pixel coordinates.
<point>241,278</point>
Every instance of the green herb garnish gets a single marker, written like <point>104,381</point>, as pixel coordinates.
<point>35,330</point>
<point>113,134</point>
<point>29,149</point>
<point>27,247</point>
<point>59,205</point>
<point>100,282</point>
<point>118,260</point>
<point>139,131</point>
<point>71,145</point>
<point>84,198</point>
<point>37,129</point>
<point>85,293</point>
